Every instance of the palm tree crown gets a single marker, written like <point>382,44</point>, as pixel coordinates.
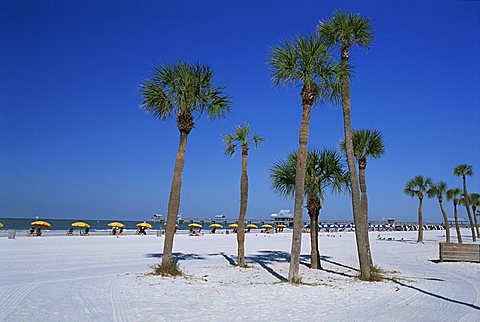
<point>437,190</point>
<point>366,143</point>
<point>324,169</point>
<point>475,199</point>
<point>346,29</point>
<point>463,170</point>
<point>454,194</point>
<point>183,89</point>
<point>241,136</point>
<point>308,63</point>
<point>417,186</point>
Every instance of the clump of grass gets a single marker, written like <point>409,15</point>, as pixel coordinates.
<point>297,281</point>
<point>376,275</point>
<point>170,268</point>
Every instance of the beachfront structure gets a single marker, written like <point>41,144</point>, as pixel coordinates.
<point>283,217</point>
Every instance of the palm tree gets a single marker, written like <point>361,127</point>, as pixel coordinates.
<point>417,187</point>
<point>474,203</point>
<point>346,30</point>
<point>438,190</point>
<point>366,144</point>
<point>241,137</point>
<point>183,90</point>
<point>464,170</point>
<point>305,62</point>
<point>454,196</point>
<point>324,170</point>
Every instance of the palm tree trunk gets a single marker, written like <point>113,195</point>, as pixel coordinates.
<point>420,221</point>
<point>243,208</point>
<point>174,200</point>
<point>445,219</point>
<point>467,206</point>
<point>293,272</point>
<point>457,225</point>
<point>361,225</point>
<point>313,206</point>
<point>319,265</point>
<point>362,165</point>
<point>474,210</point>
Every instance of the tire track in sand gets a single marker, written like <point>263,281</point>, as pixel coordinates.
<point>121,309</point>
<point>11,297</point>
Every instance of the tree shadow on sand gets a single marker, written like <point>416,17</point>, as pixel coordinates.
<point>178,256</point>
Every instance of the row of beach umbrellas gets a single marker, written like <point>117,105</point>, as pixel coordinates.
<point>249,226</point>
<point>81,224</point>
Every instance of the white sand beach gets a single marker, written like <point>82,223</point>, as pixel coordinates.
<point>102,278</point>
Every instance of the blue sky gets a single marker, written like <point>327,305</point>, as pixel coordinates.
<point>74,143</point>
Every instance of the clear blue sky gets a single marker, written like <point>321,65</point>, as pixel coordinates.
<point>74,143</point>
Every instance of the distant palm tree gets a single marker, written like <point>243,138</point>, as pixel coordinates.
<point>241,138</point>
<point>464,170</point>
<point>183,90</point>
<point>346,30</point>
<point>366,144</point>
<point>417,187</point>
<point>474,203</point>
<point>324,170</point>
<point>305,62</point>
<point>454,196</point>
<point>438,190</point>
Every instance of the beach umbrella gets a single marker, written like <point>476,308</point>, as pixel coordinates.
<point>267,226</point>
<point>216,226</point>
<point>233,225</point>
<point>116,224</point>
<point>80,224</point>
<point>252,226</point>
<point>145,225</point>
<point>281,226</point>
<point>1,225</point>
<point>41,224</point>
<point>195,225</point>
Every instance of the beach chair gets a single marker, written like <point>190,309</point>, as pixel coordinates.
<point>70,232</point>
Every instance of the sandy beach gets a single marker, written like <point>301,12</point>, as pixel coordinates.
<point>102,278</point>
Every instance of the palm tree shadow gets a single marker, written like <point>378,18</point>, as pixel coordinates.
<point>473,306</point>
<point>178,256</point>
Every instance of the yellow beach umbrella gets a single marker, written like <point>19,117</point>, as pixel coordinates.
<point>233,225</point>
<point>116,224</point>
<point>252,226</point>
<point>281,226</point>
<point>195,225</point>
<point>1,225</point>
<point>80,224</point>
<point>267,226</point>
<point>216,226</point>
<point>144,224</point>
<point>41,224</point>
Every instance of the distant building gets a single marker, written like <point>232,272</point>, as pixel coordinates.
<point>283,217</point>
<point>461,221</point>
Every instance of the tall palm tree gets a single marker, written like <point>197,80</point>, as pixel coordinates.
<point>454,196</point>
<point>307,63</point>
<point>186,91</point>
<point>464,170</point>
<point>438,190</point>
<point>241,138</point>
<point>366,144</point>
<point>346,30</point>
<point>417,187</point>
<point>324,170</point>
<point>474,203</point>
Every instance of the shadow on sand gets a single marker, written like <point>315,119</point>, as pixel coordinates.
<point>265,258</point>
